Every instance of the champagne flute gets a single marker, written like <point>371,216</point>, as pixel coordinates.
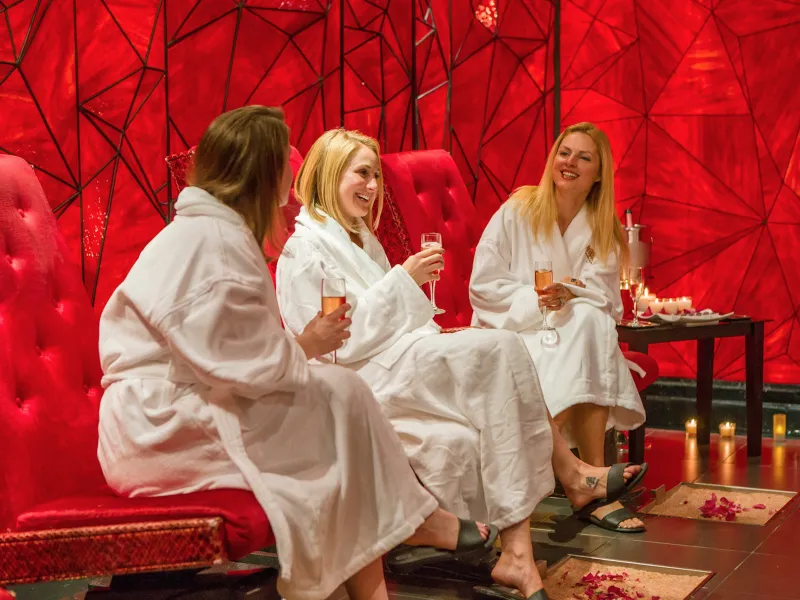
<point>334,294</point>
<point>636,288</point>
<point>433,240</point>
<point>543,277</point>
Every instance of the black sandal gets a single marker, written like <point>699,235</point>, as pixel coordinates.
<point>501,592</point>
<point>612,520</point>
<point>616,486</point>
<point>470,546</point>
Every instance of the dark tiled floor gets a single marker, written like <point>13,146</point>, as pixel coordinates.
<point>750,563</point>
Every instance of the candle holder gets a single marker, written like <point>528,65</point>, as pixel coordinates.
<point>691,427</point>
<point>779,427</point>
<point>727,429</point>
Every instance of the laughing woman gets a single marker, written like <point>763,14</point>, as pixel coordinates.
<point>568,224</point>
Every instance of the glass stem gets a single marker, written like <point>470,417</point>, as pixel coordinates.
<point>432,283</point>
<point>544,314</point>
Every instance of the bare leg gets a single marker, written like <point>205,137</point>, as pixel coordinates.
<point>589,429</point>
<point>368,583</point>
<point>516,567</point>
<point>582,482</point>
<point>441,531</point>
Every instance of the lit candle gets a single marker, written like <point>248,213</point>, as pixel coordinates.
<point>656,305</point>
<point>684,303</point>
<point>727,429</point>
<point>671,306</point>
<point>779,427</point>
<point>645,300</point>
<point>691,427</point>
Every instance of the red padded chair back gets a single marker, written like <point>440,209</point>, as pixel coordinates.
<point>428,192</point>
<point>49,365</point>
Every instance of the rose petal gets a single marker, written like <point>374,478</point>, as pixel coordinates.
<point>759,506</point>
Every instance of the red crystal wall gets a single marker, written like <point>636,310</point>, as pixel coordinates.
<point>701,101</point>
<point>94,94</point>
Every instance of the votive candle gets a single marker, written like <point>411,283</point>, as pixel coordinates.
<point>779,427</point>
<point>727,429</point>
<point>691,427</point>
<point>684,303</point>
<point>656,305</point>
<point>671,306</point>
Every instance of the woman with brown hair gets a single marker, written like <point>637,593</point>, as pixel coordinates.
<point>467,405</point>
<point>205,390</point>
<point>567,231</point>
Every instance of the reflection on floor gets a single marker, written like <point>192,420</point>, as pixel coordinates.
<point>750,562</point>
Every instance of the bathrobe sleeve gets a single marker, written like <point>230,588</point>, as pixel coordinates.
<point>501,299</point>
<point>602,286</point>
<point>225,332</point>
<point>381,314</point>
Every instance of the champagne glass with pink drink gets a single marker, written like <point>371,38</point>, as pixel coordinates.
<point>433,240</point>
<point>334,294</point>
<point>543,277</point>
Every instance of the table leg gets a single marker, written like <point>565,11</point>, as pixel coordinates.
<point>754,391</point>
<point>636,436</point>
<point>705,389</point>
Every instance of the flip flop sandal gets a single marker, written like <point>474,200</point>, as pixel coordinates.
<point>501,592</point>
<point>470,546</point>
<point>612,520</point>
<point>616,486</point>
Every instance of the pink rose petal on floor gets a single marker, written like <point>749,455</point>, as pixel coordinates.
<point>759,506</point>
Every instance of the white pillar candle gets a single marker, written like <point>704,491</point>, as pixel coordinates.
<point>645,300</point>
<point>656,305</point>
<point>671,306</point>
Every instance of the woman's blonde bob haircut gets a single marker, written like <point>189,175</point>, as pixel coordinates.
<point>240,160</point>
<point>538,204</point>
<point>317,183</point>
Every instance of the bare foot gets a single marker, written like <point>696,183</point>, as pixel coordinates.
<point>517,571</point>
<point>588,483</point>
<point>440,530</point>
<point>609,508</point>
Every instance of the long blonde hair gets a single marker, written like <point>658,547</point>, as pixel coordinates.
<point>538,204</point>
<point>317,183</point>
<point>240,160</point>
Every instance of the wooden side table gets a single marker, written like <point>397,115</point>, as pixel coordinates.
<point>639,340</point>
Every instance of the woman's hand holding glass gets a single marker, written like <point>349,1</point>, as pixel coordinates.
<point>424,266</point>
<point>325,333</point>
<point>555,296</point>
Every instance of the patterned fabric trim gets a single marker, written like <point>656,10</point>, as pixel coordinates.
<point>392,231</point>
<point>179,164</point>
<point>61,554</point>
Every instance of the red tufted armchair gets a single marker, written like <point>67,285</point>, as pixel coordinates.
<point>58,520</point>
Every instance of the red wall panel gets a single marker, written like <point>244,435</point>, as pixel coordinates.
<point>700,100</point>
<point>94,94</point>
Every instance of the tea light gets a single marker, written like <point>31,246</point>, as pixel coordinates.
<point>779,427</point>
<point>671,306</point>
<point>691,427</point>
<point>727,429</point>
<point>684,303</point>
<point>645,300</point>
<point>656,305</point>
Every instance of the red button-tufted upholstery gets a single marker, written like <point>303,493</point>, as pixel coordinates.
<point>431,196</point>
<point>427,189</point>
<point>50,391</point>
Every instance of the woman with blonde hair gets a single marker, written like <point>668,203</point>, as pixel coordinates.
<point>205,390</point>
<point>566,228</point>
<point>467,406</point>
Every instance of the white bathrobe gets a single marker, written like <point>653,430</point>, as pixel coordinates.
<point>587,365</point>
<point>205,390</point>
<point>467,405</point>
